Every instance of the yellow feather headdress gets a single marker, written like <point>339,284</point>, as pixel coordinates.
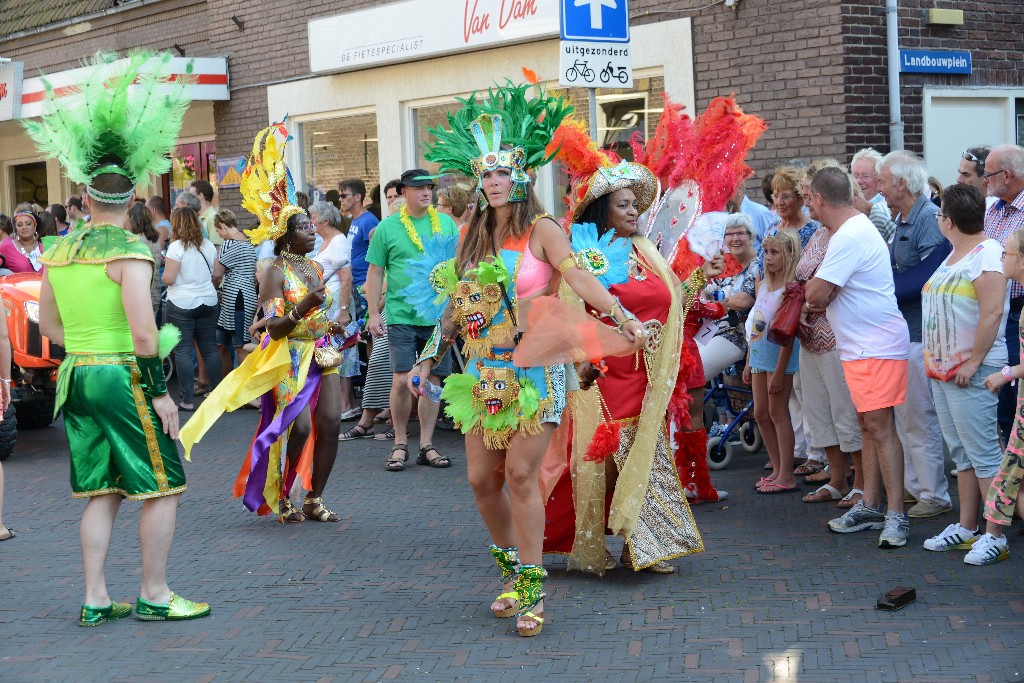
<point>268,191</point>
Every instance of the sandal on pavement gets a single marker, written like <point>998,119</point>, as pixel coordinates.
<point>609,561</point>
<point>396,463</point>
<point>762,481</point>
<point>385,436</point>
<point>352,414</point>
<point>807,467</point>
<point>529,583</point>
<point>824,494</point>
<point>289,513</point>
<point>822,477</point>
<point>8,536</point>
<point>508,563</point>
<point>657,568</point>
<point>440,461</point>
<point>313,508</point>
<point>357,432</point>
<point>94,616</point>
<point>771,488</point>
<point>200,389</point>
<point>178,609</point>
<point>850,499</point>
<point>186,407</point>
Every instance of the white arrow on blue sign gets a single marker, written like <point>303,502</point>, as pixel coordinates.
<point>605,21</point>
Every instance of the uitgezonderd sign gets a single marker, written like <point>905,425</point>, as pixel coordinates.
<point>418,29</point>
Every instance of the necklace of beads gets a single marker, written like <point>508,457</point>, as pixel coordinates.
<point>302,264</point>
<point>410,229</point>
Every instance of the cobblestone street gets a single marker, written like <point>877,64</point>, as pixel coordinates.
<point>399,590</point>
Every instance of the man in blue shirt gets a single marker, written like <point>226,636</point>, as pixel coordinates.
<point>351,193</point>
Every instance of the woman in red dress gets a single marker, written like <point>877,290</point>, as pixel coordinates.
<point>622,474</point>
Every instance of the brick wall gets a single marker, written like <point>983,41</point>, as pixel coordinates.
<point>993,32</point>
<point>272,48</point>
<point>157,27</point>
<point>783,59</point>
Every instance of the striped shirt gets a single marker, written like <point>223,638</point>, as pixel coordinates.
<point>1001,220</point>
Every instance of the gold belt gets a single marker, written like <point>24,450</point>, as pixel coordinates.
<point>124,358</point>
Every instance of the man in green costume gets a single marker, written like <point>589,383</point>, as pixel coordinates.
<point>94,300</point>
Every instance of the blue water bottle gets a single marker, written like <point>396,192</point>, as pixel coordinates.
<point>429,389</point>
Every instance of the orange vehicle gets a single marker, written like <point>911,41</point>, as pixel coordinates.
<point>34,360</point>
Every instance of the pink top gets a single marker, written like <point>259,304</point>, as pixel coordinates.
<point>534,274</point>
<point>17,262</point>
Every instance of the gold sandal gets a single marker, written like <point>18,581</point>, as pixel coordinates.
<point>656,568</point>
<point>317,511</point>
<point>289,513</point>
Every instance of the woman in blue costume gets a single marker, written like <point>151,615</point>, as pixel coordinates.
<point>505,258</point>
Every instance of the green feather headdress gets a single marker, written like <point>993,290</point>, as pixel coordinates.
<point>119,120</point>
<point>508,116</point>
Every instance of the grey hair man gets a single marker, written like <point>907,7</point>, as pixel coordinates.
<point>903,181</point>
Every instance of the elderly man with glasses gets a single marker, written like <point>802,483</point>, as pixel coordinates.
<point>1003,177</point>
<point>917,249</point>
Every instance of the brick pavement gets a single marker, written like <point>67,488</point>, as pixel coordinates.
<point>399,590</point>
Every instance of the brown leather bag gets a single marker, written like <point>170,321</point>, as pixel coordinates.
<point>786,320</point>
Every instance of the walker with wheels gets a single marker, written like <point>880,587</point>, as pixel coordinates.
<point>720,449</point>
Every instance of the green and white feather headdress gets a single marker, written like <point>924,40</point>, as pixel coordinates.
<point>511,116</point>
<point>120,120</point>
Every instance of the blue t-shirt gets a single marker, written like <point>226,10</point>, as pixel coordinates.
<point>359,235</point>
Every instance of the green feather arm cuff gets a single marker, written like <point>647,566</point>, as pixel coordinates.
<point>154,383</point>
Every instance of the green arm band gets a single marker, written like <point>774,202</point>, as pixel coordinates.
<point>154,383</point>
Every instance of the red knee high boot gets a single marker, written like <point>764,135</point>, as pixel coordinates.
<point>691,460</point>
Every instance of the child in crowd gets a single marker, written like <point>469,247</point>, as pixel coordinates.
<point>770,367</point>
<point>1005,493</point>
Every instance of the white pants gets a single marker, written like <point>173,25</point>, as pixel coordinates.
<point>802,448</point>
<point>924,467</point>
<point>718,355</point>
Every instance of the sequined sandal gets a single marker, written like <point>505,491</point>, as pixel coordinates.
<point>313,508</point>
<point>94,616</point>
<point>178,609</point>
<point>656,568</point>
<point>508,563</point>
<point>289,513</point>
<point>530,586</point>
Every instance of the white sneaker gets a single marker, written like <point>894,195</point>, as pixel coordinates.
<point>988,550</point>
<point>954,537</point>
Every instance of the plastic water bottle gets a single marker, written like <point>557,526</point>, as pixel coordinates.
<point>428,389</point>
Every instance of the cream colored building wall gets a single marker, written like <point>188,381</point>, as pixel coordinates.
<point>391,91</point>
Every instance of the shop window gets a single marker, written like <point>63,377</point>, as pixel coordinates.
<point>29,183</point>
<point>191,161</point>
<point>338,148</point>
<point>621,112</point>
<point>433,116</point>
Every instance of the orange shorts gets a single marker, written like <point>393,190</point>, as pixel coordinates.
<point>876,383</point>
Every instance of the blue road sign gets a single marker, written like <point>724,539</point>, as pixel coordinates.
<point>604,21</point>
<point>935,62</point>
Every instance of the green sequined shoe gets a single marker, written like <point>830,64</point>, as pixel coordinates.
<point>508,563</point>
<point>530,586</point>
<point>94,616</point>
<point>178,609</point>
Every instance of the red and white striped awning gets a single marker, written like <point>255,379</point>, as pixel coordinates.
<point>210,82</point>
